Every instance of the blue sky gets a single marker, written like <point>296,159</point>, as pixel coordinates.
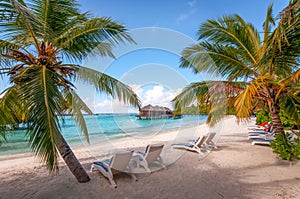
<point>181,15</point>
<point>153,69</point>
<point>161,29</point>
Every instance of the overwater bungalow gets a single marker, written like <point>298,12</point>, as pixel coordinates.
<point>150,112</point>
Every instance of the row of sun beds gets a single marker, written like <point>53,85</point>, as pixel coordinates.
<point>120,162</point>
<point>264,134</point>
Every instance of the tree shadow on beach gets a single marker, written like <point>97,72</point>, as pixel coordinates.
<point>222,174</point>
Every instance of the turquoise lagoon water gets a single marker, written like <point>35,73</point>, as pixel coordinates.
<point>112,126</point>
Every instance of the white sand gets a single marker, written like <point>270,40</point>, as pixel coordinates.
<point>235,170</point>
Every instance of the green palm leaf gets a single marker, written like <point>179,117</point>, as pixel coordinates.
<point>214,94</point>
<point>77,105</point>
<point>217,60</point>
<point>246,99</point>
<point>8,105</point>
<point>232,30</point>
<point>108,85</point>
<point>30,23</point>
<point>44,102</point>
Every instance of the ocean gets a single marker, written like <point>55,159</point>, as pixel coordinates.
<point>112,126</point>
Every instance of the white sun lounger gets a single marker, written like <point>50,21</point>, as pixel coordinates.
<point>258,127</point>
<point>269,138</point>
<point>117,164</point>
<point>261,142</point>
<point>151,155</point>
<point>271,129</point>
<point>209,142</point>
<point>267,135</point>
<point>195,145</point>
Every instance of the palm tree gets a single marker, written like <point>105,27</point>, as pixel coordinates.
<point>37,38</point>
<point>257,69</point>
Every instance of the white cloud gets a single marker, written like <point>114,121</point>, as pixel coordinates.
<point>113,106</point>
<point>105,104</point>
<point>182,17</point>
<point>187,14</point>
<point>137,89</point>
<point>192,3</point>
<point>159,96</point>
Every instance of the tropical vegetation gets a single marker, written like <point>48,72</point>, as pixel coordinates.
<point>286,148</point>
<point>41,42</point>
<point>264,115</point>
<point>258,69</point>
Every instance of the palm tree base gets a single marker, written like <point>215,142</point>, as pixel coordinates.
<point>71,161</point>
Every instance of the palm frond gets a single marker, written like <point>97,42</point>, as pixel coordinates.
<point>44,102</point>
<point>291,104</point>
<point>189,95</point>
<point>6,45</point>
<point>8,105</point>
<point>289,82</point>
<point>2,137</point>
<point>231,49</point>
<point>294,77</point>
<point>108,85</point>
<point>93,35</point>
<point>246,100</point>
<point>75,106</point>
<point>283,46</point>
<point>55,15</point>
<point>234,31</point>
<point>7,117</point>
<point>269,22</point>
<point>30,23</point>
<point>214,93</point>
<point>216,59</point>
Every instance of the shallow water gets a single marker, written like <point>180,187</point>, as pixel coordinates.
<point>112,126</point>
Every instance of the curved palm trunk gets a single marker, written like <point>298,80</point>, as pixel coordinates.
<point>71,161</point>
<point>275,110</point>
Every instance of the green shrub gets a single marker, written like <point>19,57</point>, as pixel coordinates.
<point>285,148</point>
<point>296,148</point>
<point>282,146</point>
<point>262,116</point>
<point>286,122</point>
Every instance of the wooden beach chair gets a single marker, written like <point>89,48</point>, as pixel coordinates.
<point>151,155</point>
<point>117,164</point>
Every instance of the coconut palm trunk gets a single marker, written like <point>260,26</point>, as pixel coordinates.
<point>71,160</point>
<point>274,111</point>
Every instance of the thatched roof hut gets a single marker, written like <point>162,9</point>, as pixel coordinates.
<point>154,112</point>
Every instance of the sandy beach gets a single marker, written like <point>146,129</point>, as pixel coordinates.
<point>236,169</point>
